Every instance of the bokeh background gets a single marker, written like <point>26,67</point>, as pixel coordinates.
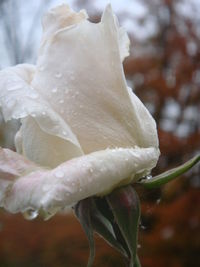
<point>164,71</point>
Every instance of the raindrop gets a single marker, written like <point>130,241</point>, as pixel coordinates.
<point>143,227</point>
<point>91,170</point>
<point>15,87</point>
<point>54,90</point>
<point>41,68</point>
<point>61,101</point>
<point>33,115</point>
<point>58,75</point>
<point>30,214</point>
<point>10,103</point>
<point>34,95</point>
<point>149,176</point>
<point>59,174</point>
<point>64,133</point>
<point>158,201</point>
<point>43,113</point>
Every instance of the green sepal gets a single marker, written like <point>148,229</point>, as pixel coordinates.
<point>83,212</point>
<point>103,225</point>
<point>137,262</point>
<point>169,175</point>
<point>125,206</point>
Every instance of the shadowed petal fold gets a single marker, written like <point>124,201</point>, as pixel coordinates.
<point>76,179</point>
<point>20,101</point>
<point>83,64</point>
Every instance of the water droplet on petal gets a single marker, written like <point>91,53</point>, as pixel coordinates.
<point>59,174</point>
<point>149,176</point>
<point>34,95</point>
<point>15,87</point>
<point>61,101</point>
<point>58,75</point>
<point>54,90</point>
<point>158,201</point>
<point>41,68</point>
<point>91,170</point>
<point>30,214</point>
<point>64,133</point>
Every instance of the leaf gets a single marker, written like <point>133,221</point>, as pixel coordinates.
<point>83,213</point>
<point>125,206</point>
<point>103,226</point>
<point>169,175</point>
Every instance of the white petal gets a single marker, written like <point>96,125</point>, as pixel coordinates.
<point>19,100</point>
<point>94,174</point>
<point>123,39</point>
<point>12,165</point>
<point>84,65</point>
<point>60,17</point>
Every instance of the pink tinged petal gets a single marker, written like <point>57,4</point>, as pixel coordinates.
<point>84,64</point>
<point>20,101</point>
<point>94,174</point>
<point>12,166</point>
<point>62,16</point>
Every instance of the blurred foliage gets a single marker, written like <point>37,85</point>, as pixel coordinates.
<point>164,71</point>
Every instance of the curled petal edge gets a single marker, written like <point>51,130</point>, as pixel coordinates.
<point>98,173</point>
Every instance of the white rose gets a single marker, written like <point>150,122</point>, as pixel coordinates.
<point>83,131</point>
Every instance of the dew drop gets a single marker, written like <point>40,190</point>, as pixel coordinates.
<point>15,87</point>
<point>64,133</point>
<point>30,214</point>
<point>158,201</point>
<point>34,95</point>
<point>41,68</point>
<point>91,170</point>
<point>54,90</point>
<point>10,103</point>
<point>61,101</point>
<point>58,75</point>
<point>149,176</point>
<point>59,174</point>
<point>143,227</point>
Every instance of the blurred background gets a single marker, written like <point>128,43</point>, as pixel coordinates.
<point>164,71</point>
